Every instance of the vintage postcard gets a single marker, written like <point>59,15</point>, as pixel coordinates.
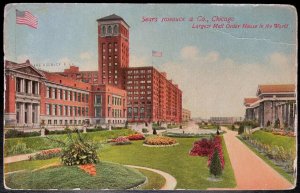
<point>150,97</point>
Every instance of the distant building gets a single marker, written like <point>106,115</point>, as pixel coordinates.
<point>84,76</point>
<point>225,120</point>
<point>272,102</point>
<point>186,115</point>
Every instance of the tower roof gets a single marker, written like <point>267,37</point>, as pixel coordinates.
<point>112,17</point>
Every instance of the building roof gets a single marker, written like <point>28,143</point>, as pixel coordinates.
<point>276,88</point>
<point>249,101</point>
<point>112,17</point>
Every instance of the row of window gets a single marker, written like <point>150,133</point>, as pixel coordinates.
<point>56,93</point>
<point>65,110</point>
<point>109,29</point>
<point>66,122</point>
<point>137,82</point>
<point>110,100</point>
<point>27,86</point>
<point>139,98</point>
<point>135,110</point>
<point>139,71</point>
<point>138,76</point>
<point>137,92</point>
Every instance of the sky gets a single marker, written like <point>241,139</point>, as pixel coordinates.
<point>215,68</point>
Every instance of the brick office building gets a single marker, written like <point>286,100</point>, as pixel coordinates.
<point>32,95</point>
<point>151,97</point>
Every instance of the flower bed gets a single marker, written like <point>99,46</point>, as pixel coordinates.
<point>137,136</point>
<point>46,154</point>
<point>89,168</point>
<point>160,140</point>
<point>277,154</point>
<point>121,141</point>
<point>206,147</point>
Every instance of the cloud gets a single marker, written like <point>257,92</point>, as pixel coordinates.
<point>85,55</point>
<point>215,86</point>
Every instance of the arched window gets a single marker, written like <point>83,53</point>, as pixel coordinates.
<point>109,30</point>
<point>103,30</point>
<point>115,29</point>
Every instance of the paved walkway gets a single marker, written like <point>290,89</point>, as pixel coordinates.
<point>251,172</point>
<point>170,180</point>
<point>22,157</point>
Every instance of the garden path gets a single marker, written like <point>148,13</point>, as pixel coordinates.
<point>170,180</point>
<point>17,158</point>
<point>251,172</point>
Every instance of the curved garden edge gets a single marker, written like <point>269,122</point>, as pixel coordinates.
<point>147,145</point>
<point>171,182</point>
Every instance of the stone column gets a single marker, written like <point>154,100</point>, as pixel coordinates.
<point>37,114</point>
<point>29,114</point>
<point>22,85</point>
<point>22,113</point>
<point>30,86</point>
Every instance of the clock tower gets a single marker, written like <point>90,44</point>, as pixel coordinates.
<point>113,50</point>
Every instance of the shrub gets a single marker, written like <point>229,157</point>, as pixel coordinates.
<point>202,147</point>
<point>13,133</point>
<point>77,151</point>
<point>136,137</point>
<point>126,125</point>
<point>154,132</point>
<point>241,129</point>
<point>121,141</point>
<point>46,154</point>
<point>145,130</point>
<point>215,167</point>
<point>277,123</point>
<point>217,145</point>
<point>160,140</point>
<point>232,127</point>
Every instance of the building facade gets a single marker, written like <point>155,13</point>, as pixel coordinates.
<point>151,96</point>
<point>33,96</point>
<point>186,115</point>
<point>273,103</point>
<point>225,120</point>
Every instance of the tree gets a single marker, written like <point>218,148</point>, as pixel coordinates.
<point>232,127</point>
<point>154,132</point>
<point>241,129</point>
<point>126,125</point>
<point>215,167</point>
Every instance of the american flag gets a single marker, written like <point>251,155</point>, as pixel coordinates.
<point>26,18</point>
<point>156,53</point>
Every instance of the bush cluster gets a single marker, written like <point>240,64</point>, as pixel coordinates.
<point>13,133</point>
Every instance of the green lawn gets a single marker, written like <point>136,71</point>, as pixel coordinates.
<point>191,172</point>
<point>41,143</point>
<point>271,139</point>
<point>155,180</point>
<point>109,176</point>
